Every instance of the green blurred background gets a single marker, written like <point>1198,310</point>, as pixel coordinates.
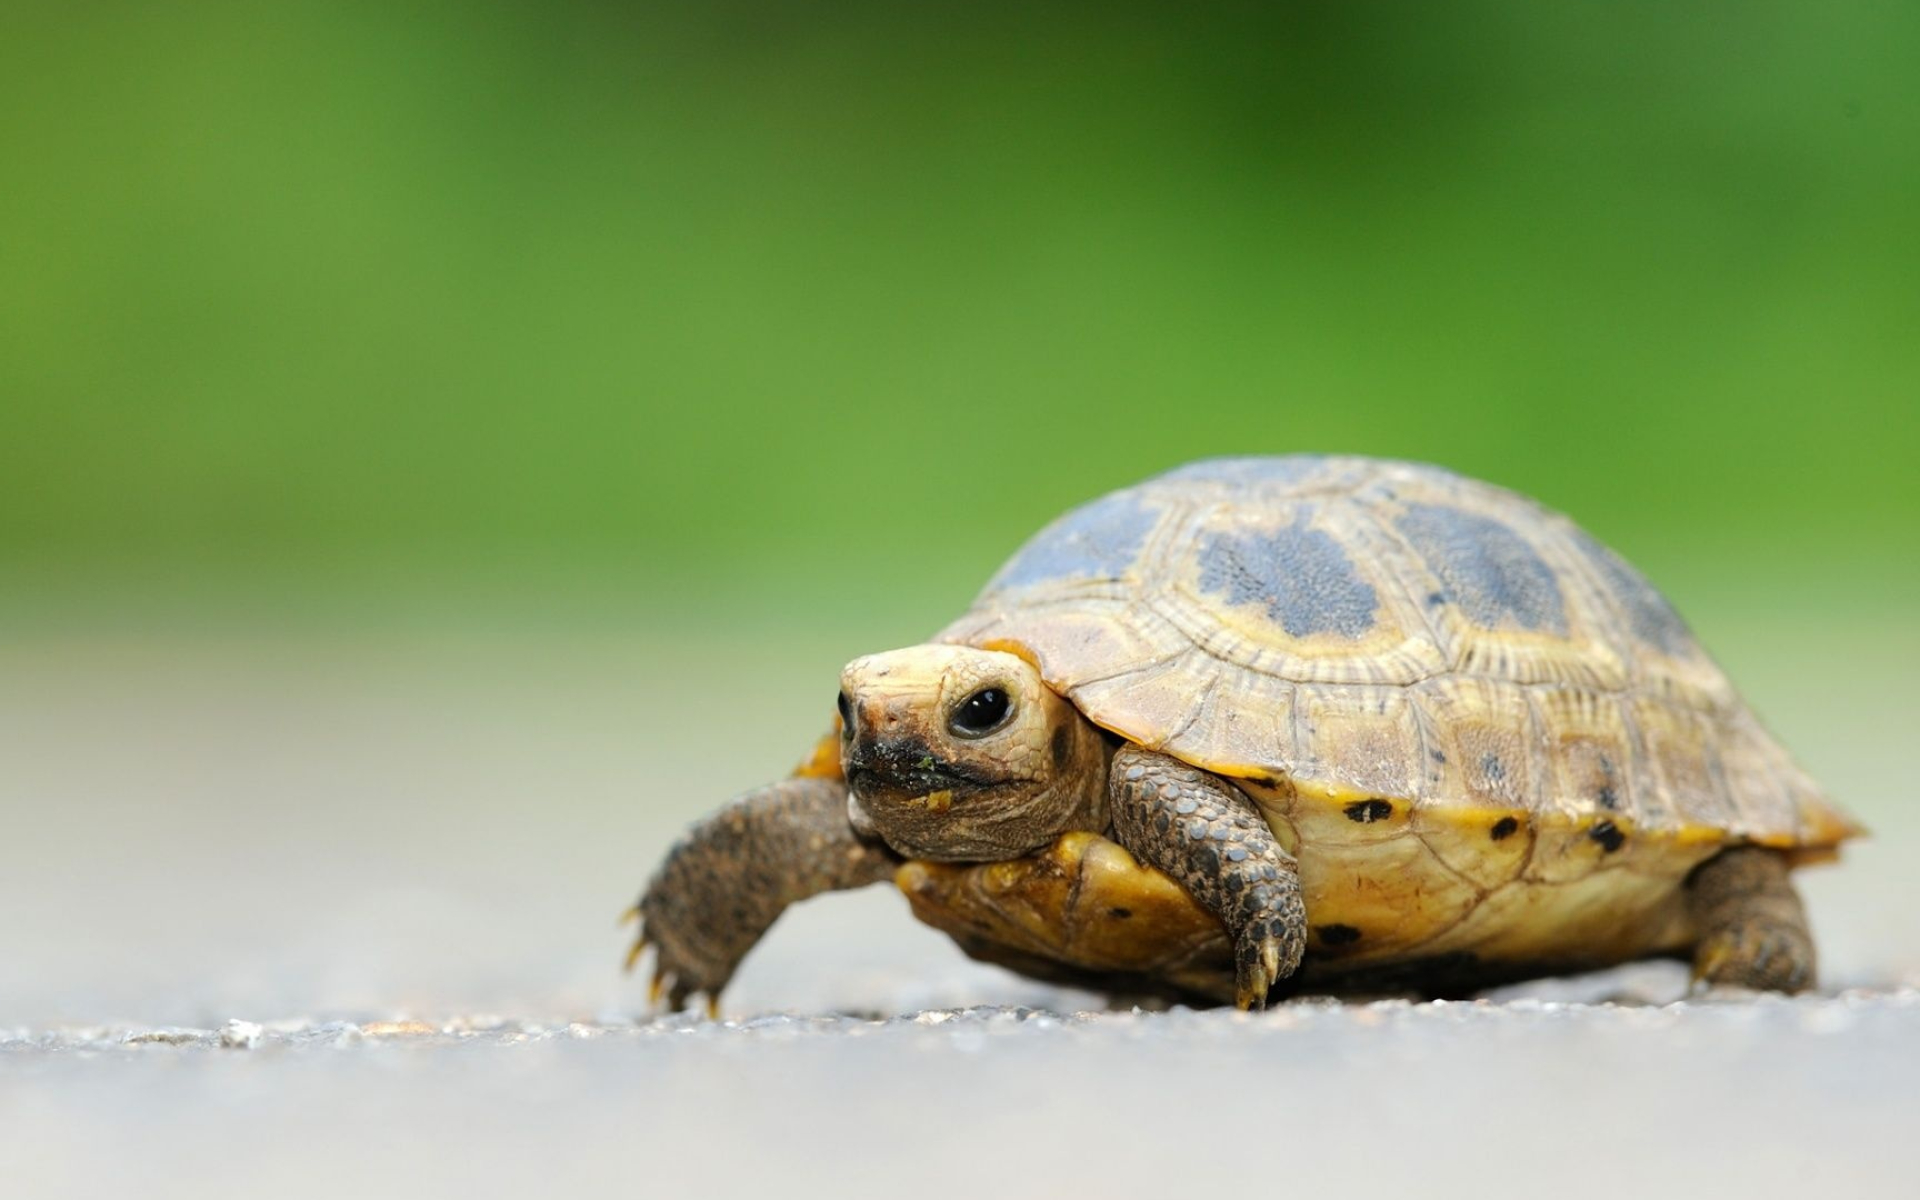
<point>777,309</point>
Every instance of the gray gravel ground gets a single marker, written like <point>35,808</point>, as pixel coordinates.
<point>253,886</point>
<point>1522,1097</point>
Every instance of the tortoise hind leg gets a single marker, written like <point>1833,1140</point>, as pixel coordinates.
<point>1752,927</point>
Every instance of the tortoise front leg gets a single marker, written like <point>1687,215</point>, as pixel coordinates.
<point>733,874</point>
<point>1214,841</point>
<point>1752,927</point>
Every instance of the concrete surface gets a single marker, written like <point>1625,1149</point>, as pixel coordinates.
<point>337,917</point>
<point>1522,1098</point>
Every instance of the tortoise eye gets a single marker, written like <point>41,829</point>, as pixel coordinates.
<point>982,712</point>
<point>846,716</point>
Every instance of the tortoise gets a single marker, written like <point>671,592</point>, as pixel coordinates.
<point>1264,725</point>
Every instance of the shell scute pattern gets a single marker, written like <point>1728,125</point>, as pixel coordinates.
<point>1333,629</point>
<point>1590,756</point>
<point>1097,541</point>
<point>1490,572</point>
<point>1291,589</point>
<point>1487,744</point>
<point>1368,737</point>
<point>1490,568</point>
<point>1681,748</point>
<point>1648,615</point>
<point>1301,576</point>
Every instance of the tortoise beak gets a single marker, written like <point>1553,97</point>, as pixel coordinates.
<point>910,765</point>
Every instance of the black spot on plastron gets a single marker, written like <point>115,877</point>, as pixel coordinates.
<point>1368,811</point>
<point>1120,913</point>
<point>1095,541</point>
<point>1293,468</point>
<point>1649,616</point>
<point>1503,829</point>
<point>1439,756</point>
<point>1338,935</point>
<point>1490,572</point>
<point>1301,576</point>
<point>1060,745</point>
<point>1492,767</point>
<point>1608,835</point>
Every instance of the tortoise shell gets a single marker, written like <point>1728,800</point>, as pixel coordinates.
<point>1477,728</point>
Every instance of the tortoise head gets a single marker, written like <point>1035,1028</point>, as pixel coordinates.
<point>957,754</point>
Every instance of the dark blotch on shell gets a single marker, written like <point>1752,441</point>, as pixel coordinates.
<point>1648,614</point>
<point>1608,835</point>
<point>1096,541</point>
<point>1338,935</point>
<point>1301,576</point>
<point>1489,571</point>
<point>1365,811</point>
<point>1503,829</point>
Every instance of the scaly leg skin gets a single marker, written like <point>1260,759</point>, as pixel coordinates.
<point>733,874</point>
<point>1208,836</point>
<point>1753,929</point>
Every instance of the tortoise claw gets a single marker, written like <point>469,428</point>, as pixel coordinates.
<point>1251,993</point>
<point>639,948</point>
<point>668,984</point>
<point>1259,965</point>
<point>666,981</point>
